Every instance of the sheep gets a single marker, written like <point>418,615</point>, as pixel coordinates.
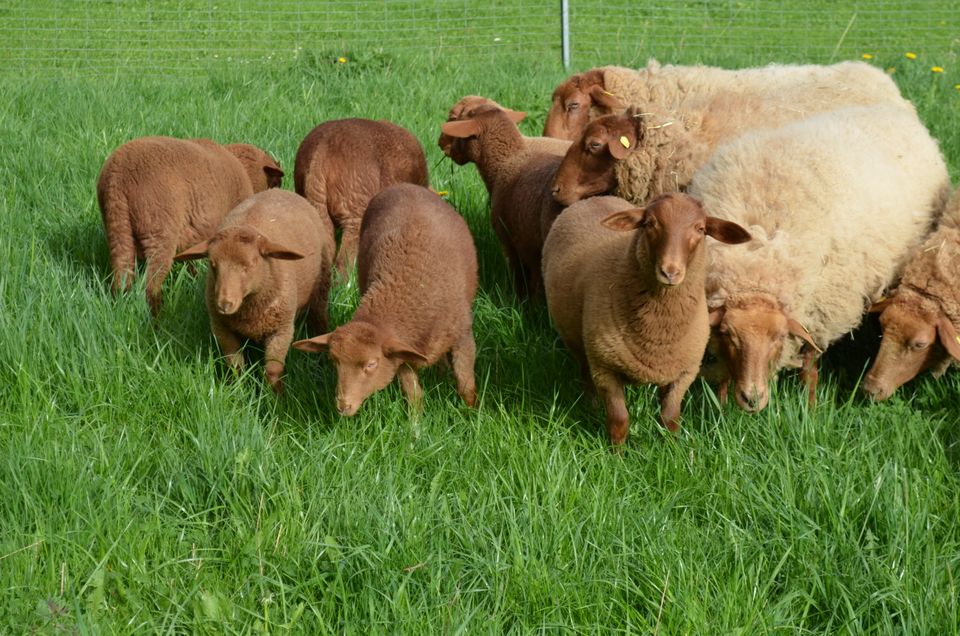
<point>341,164</point>
<point>270,259</point>
<point>798,91</point>
<point>158,195</point>
<point>835,204</point>
<point>518,179</point>
<point>625,291</point>
<point>417,272</point>
<point>467,108</point>
<point>921,318</point>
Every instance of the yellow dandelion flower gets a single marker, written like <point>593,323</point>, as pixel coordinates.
<point>957,86</point>
<point>910,56</point>
<point>891,70</point>
<point>442,193</point>
<point>867,56</point>
<point>341,60</point>
<point>936,69</point>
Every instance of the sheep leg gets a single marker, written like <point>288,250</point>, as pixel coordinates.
<point>230,346</point>
<point>463,356</point>
<point>410,385</point>
<point>317,320</point>
<point>349,243</point>
<point>276,346</point>
<point>159,261</point>
<point>671,396</point>
<point>610,389</point>
<point>514,262</point>
<point>724,391</point>
<point>810,374</point>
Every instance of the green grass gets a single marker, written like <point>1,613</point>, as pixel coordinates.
<point>142,492</point>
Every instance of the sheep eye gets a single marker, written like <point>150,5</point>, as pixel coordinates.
<point>702,230</point>
<point>919,345</point>
<point>573,106</point>
<point>370,366</point>
<point>594,145</point>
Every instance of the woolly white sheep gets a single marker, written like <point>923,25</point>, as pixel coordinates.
<point>835,203</point>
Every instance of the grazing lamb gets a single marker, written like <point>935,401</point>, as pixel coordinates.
<point>342,164</point>
<point>270,259</point>
<point>417,271</point>
<point>158,195</point>
<point>625,291</point>
<point>797,90</point>
<point>835,204</point>
<point>468,107</point>
<point>921,318</point>
<point>522,207</point>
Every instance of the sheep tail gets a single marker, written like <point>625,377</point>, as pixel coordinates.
<point>116,222</point>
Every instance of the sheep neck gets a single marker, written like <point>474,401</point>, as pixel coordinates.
<point>500,147</point>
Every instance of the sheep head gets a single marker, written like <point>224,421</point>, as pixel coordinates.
<point>587,168</point>
<point>917,336</point>
<point>751,334</point>
<point>239,265</point>
<point>572,101</point>
<point>461,136</point>
<point>260,167</point>
<point>466,108</point>
<point>366,358</point>
<point>671,231</point>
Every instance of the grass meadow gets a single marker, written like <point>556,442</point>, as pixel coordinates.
<point>142,492</point>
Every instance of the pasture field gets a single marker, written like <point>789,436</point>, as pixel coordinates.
<point>143,492</point>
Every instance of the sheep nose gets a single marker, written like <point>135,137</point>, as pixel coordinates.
<point>226,307</point>
<point>749,400</point>
<point>345,408</point>
<point>874,391</point>
<point>555,190</point>
<point>671,275</point>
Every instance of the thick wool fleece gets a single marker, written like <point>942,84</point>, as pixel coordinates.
<point>835,204</point>
<point>694,108</point>
<point>417,270</point>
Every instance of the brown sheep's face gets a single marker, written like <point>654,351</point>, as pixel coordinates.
<point>915,338</point>
<point>671,232</point>
<point>587,168</point>
<point>462,136</point>
<point>461,150</point>
<point>751,337</point>
<point>239,265</point>
<point>366,360</point>
<point>572,101</point>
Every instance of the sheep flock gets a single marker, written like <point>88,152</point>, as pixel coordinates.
<point>677,221</point>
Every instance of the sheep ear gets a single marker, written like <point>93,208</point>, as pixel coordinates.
<point>622,145</point>
<point>461,129</point>
<point>799,331</point>
<point>269,249</point>
<point>716,315</point>
<point>315,344</point>
<point>625,221</point>
<point>394,348</point>
<point>515,116</point>
<point>726,231</point>
<point>193,253</point>
<point>948,336</point>
<point>879,306</point>
<point>274,175</point>
<point>604,99</point>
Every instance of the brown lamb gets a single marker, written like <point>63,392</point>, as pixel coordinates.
<point>625,290</point>
<point>417,271</point>
<point>467,108</point>
<point>270,260</point>
<point>921,317</point>
<point>519,181</point>
<point>342,164</point>
<point>158,195</point>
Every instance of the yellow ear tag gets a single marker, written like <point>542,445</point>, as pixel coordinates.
<point>624,142</point>
<point>958,339</point>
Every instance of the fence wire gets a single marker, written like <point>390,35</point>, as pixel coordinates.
<point>188,36</point>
